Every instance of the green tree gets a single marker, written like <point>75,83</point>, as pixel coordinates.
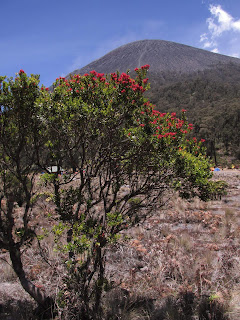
<point>126,155</point>
<point>19,143</point>
<point>120,157</point>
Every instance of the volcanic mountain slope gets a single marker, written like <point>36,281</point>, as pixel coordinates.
<point>206,84</point>
<point>162,56</point>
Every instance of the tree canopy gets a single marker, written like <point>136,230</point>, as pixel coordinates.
<point>120,158</point>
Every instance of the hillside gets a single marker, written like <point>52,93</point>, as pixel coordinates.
<point>162,56</point>
<point>206,84</point>
<point>211,98</point>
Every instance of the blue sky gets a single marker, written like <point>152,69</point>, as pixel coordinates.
<point>55,37</point>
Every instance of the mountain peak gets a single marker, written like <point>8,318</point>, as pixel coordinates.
<point>161,55</point>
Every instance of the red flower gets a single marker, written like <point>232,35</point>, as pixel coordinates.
<point>21,71</point>
<point>136,69</point>
<point>202,140</point>
<point>147,66</point>
<point>183,110</point>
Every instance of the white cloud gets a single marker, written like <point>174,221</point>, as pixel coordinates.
<point>207,45</point>
<point>222,27</point>
<point>215,50</point>
<point>207,42</point>
<point>203,37</point>
<point>221,21</point>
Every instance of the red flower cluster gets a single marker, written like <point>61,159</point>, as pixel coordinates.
<point>190,126</point>
<point>147,66</point>
<point>165,125</point>
<point>126,81</point>
<point>121,87</point>
<point>21,71</point>
<point>122,82</point>
<point>46,89</point>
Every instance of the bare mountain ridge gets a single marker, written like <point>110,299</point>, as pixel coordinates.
<point>161,55</point>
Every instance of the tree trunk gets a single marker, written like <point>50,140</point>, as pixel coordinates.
<point>38,295</point>
<point>15,254</point>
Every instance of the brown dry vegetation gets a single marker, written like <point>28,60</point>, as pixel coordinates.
<point>185,256</point>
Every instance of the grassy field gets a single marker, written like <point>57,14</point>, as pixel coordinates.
<point>181,263</point>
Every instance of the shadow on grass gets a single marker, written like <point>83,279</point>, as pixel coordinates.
<point>119,304</point>
<point>184,307</point>
<point>16,309</point>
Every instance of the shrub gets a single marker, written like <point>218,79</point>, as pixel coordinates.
<point>124,156</point>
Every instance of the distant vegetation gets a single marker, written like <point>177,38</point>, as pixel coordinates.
<point>212,100</point>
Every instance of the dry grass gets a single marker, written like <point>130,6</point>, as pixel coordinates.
<point>191,247</point>
<point>188,247</point>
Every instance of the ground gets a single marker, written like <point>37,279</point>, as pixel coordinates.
<point>186,247</point>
